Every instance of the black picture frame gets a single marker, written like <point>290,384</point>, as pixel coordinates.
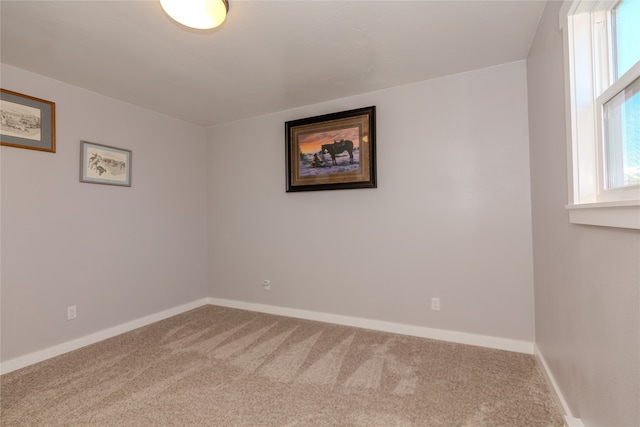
<point>334,151</point>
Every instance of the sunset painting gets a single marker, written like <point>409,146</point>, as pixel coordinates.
<point>311,143</point>
<point>319,152</point>
<point>333,151</point>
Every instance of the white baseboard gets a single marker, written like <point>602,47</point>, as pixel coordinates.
<point>569,419</point>
<point>378,325</point>
<point>572,422</point>
<point>57,350</point>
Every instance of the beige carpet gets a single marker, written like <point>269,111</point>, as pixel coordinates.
<point>216,366</point>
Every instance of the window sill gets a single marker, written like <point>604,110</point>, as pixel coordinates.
<point>608,214</point>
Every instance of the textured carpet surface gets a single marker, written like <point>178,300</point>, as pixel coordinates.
<point>216,366</point>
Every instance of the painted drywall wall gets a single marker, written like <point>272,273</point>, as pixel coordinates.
<point>450,217</point>
<point>117,253</point>
<point>587,279</point>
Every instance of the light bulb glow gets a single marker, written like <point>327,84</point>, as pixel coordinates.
<point>200,14</point>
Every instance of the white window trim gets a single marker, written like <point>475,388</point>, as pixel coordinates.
<point>606,214</point>
<point>588,203</point>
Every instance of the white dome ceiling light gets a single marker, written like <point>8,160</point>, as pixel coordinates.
<point>199,14</point>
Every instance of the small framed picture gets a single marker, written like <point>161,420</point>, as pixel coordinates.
<point>102,164</point>
<point>27,122</point>
<point>332,152</point>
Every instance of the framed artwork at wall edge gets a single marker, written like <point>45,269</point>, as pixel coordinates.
<point>332,152</point>
<point>27,122</point>
<point>103,164</point>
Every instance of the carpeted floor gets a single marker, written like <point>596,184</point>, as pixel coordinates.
<point>216,366</point>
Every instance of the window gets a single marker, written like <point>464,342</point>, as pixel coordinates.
<point>602,54</point>
<point>621,138</point>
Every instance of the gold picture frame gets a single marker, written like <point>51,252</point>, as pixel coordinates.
<point>27,122</point>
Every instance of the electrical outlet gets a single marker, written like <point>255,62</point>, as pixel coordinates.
<point>266,284</point>
<point>72,312</point>
<point>435,304</point>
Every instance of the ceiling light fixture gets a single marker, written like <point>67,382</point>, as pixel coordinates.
<point>200,14</point>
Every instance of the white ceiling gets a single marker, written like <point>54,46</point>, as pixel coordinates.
<point>268,55</point>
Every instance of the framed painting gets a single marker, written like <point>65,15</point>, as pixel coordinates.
<point>332,152</point>
<point>102,164</point>
<point>27,122</point>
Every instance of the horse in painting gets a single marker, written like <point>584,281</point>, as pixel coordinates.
<point>339,147</point>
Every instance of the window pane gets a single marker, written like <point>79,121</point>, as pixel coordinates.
<point>627,35</point>
<point>622,138</point>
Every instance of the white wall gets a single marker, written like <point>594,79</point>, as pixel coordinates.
<point>117,253</point>
<point>450,217</point>
<point>587,279</point>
